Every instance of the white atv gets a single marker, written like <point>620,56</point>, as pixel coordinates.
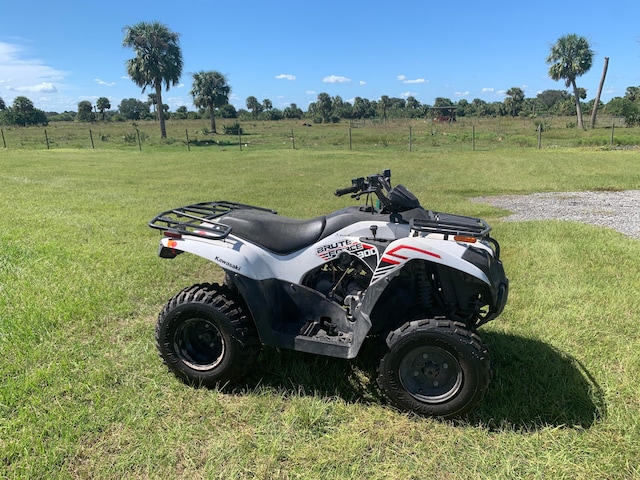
<point>422,281</point>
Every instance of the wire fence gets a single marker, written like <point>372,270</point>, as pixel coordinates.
<point>410,135</point>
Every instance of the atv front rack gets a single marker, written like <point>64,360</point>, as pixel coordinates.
<point>447,224</point>
<point>199,219</point>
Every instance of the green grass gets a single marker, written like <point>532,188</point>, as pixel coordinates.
<point>84,395</point>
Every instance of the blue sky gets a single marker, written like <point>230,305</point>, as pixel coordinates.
<point>60,53</point>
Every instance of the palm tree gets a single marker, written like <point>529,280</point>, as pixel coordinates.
<point>516,99</point>
<point>596,103</point>
<point>254,105</point>
<point>158,59</point>
<point>570,57</point>
<point>323,106</point>
<point>210,90</point>
<point>103,104</point>
<point>384,103</point>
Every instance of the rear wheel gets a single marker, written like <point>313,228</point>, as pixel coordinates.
<point>205,336</point>
<point>435,367</point>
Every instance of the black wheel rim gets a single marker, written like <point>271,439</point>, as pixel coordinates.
<point>199,344</point>
<point>431,374</point>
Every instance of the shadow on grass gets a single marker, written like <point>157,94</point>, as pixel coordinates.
<point>214,143</point>
<point>535,385</point>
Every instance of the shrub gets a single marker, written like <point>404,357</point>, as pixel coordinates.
<point>232,129</point>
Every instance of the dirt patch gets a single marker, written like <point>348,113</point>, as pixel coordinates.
<point>617,210</point>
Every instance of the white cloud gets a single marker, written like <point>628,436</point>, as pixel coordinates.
<point>44,87</point>
<point>404,79</point>
<point>285,76</point>
<point>362,82</point>
<point>461,94</point>
<point>310,92</point>
<point>487,90</point>
<point>102,82</point>
<point>408,94</point>
<point>26,75</point>
<point>335,79</point>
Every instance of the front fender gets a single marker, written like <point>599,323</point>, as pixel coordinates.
<point>443,252</point>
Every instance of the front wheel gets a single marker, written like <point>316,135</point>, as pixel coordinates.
<point>205,337</point>
<point>435,367</point>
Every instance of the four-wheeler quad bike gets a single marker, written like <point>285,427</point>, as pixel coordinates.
<point>420,280</point>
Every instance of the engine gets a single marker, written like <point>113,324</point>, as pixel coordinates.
<point>339,278</point>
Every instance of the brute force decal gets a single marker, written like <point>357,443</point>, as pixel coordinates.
<point>332,250</point>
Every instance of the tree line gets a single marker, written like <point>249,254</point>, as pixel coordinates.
<point>158,63</point>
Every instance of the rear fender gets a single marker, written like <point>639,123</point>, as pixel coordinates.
<point>230,254</point>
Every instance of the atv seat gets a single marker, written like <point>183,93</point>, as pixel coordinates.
<point>282,235</point>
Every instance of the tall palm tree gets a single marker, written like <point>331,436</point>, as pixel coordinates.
<point>384,103</point>
<point>158,59</point>
<point>570,57</point>
<point>516,100</point>
<point>596,103</point>
<point>210,90</point>
<point>323,106</point>
<point>254,105</point>
<point>103,104</point>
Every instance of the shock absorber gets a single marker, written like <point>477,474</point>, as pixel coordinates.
<point>423,287</point>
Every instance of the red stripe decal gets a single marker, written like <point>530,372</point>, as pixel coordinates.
<point>419,250</point>
<point>389,261</point>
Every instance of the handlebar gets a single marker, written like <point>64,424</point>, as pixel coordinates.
<point>375,183</point>
<point>345,191</point>
<point>390,199</point>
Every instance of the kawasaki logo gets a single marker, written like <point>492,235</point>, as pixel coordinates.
<point>227,263</point>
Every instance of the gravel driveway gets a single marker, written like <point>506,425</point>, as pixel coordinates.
<point>617,210</point>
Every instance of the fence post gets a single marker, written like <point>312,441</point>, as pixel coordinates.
<point>539,136</point>
<point>186,132</point>
<point>240,137</point>
<point>350,139</point>
<point>3,141</point>
<point>139,142</point>
<point>293,140</point>
<point>91,137</point>
<point>473,138</point>
<point>613,127</point>
<point>410,138</point>
<point>46,137</point>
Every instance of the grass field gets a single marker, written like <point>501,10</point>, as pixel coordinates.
<point>84,395</point>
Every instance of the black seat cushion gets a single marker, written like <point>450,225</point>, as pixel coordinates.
<point>282,235</point>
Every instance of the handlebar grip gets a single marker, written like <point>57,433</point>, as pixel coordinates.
<point>344,191</point>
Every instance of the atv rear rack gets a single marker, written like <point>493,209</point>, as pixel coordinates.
<point>447,224</point>
<point>199,219</point>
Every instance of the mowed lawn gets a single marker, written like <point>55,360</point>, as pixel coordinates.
<point>83,393</point>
